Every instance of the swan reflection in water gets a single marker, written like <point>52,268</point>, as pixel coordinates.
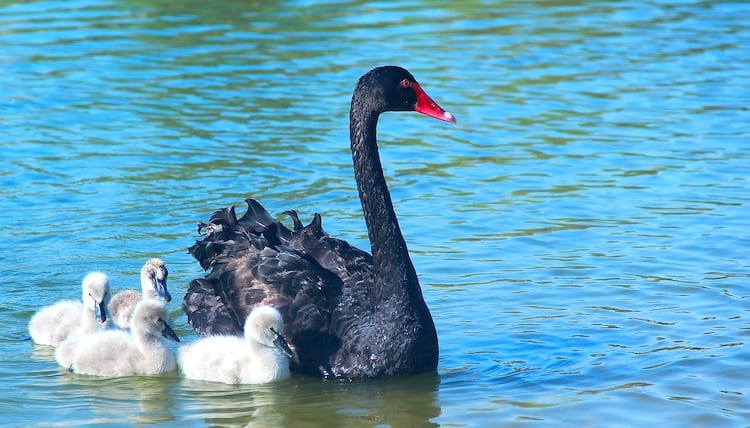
<point>300,401</point>
<point>133,399</point>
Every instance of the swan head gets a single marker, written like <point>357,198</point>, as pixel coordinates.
<point>392,88</point>
<point>96,294</point>
<point>154,280</point>
<point>265,326</point>
<point>151,318</point>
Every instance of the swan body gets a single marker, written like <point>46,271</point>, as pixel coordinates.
<point>348,314</point>
<point>53,324</point>
<point>142,351</point>
<point>153,286</point>
<point>262,356</point>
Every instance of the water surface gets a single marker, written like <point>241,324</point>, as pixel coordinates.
<point>581,234</point>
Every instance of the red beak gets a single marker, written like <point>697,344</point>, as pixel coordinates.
<point>428,107</point>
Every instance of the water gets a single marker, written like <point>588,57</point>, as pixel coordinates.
<point>581,234</point>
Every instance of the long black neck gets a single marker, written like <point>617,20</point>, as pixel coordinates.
<point>414,337</point>
<point>393,267</point>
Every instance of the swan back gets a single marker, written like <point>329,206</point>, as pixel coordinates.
<point>118,353</point>
<point>53,324</point>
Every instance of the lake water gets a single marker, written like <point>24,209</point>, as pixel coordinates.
<point>582,234</point>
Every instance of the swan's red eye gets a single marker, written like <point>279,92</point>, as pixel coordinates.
<point>405,83</point>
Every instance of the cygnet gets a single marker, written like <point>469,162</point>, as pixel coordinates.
<point>55,323</point>
<point>94,316</point>
<point>153,286</point>
<point>142,351</point>
<point>261,357</point>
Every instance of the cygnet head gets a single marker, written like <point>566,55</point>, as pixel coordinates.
<point>96,295</point>
<point>154,280</point>
<point>151,318</point>
<point>265,326</point>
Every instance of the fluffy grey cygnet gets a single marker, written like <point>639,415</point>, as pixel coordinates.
<point>53,324</point>
<point>142,351</point>
<point>153,286</point>
<point>262,356</point>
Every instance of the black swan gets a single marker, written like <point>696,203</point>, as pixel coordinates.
<point>347,314</point>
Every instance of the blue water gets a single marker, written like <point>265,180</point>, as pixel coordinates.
<point>581,234</point>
